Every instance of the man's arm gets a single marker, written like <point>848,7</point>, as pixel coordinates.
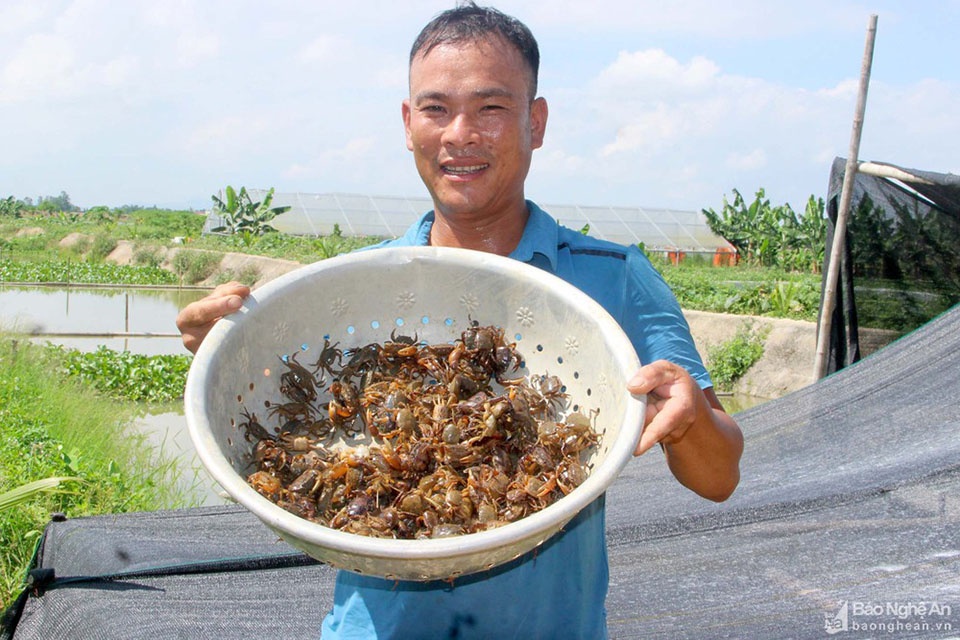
<point>702,443</point>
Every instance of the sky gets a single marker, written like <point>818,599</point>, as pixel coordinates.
<point>652,104</point>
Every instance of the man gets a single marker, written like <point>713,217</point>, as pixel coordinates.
<point>472,121</point>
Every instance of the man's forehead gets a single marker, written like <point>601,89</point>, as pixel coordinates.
<point>493,48</point>
<point>486,42</point>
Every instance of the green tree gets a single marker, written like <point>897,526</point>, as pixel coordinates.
<point>10,206</point>
<point>871,233</point>
<point>57,203</point>
<point>806,236</point>
<point>240,214</point>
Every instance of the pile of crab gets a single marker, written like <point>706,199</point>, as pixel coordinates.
<point>456,442</point>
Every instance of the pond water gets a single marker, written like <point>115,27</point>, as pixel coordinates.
<point>167,431</point>
<point>65,312</point>
<point>737,402</point>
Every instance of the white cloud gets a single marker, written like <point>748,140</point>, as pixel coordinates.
<point>647,131</point>
<point>194,47</point>
<point>326,48</point>
<point>670,105</point>
<point>228,136</point>
<point>336,59</point>
<point>43,63</point>
<point>352,153</point>
<point>678,132</point>
<point>16,17</point>
<point>654,69</point>
<point>744,19</point>
<point>754,159</point>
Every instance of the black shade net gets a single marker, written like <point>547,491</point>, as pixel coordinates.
<point>900,266</point>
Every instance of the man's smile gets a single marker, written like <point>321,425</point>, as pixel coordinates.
<point>465,170</point>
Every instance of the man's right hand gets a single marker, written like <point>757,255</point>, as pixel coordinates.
<point>197,318</point>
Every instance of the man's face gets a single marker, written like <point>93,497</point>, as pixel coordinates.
<point>472,126</point>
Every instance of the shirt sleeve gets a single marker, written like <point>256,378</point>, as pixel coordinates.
<point>653,320</point>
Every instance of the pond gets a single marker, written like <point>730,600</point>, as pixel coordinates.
<point>132,319</point>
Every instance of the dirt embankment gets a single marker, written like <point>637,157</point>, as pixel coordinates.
<point>265,269</point>
<point>789,347</point>
<point>788,351</point>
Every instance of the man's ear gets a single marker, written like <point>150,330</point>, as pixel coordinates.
<point>405,112</point>
<point>538,122</point>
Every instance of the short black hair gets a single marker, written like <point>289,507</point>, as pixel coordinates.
<point>469,23</point>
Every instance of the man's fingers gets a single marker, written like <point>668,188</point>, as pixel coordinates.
<point>659,425</point>
<point>192,340</point>
<point>226,298</point>
<point>196,319</point>
<point>232,288</point>
<point>204,312</point>
<point>651,376</point>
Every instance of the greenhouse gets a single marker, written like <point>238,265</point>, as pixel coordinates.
<point>318,214</point>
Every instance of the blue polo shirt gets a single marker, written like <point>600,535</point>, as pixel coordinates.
<point>557,590</point>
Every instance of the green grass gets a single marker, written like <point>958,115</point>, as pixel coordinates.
<point>194,266</point>
<point>881,304</point>
<point>75,272</point>
<point>143,224</point>
<point>897,305</point>
<point>744,290</point>
<point>125,375</point>
<point>730,360</point>
<point>58,426</point>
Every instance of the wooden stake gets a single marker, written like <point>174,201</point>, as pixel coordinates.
<point>846,195</point>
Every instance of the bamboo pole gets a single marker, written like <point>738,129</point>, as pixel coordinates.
<point>884,171</point>
<point>846,195</point>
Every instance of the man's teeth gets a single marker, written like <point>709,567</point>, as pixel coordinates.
<point>465,170</point>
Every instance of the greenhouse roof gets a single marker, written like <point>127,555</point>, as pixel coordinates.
<point>316,214</point>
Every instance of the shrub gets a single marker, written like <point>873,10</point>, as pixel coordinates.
<point>158,224</point>
<point>730,360</point>
<point>148,257</point>
<point>194,266</point>
<point>240,213</point>
<point>100,247</point>
<point>80,247</point>
<point>248,275</point>
<point>772,235</point>
<point>126,375</point>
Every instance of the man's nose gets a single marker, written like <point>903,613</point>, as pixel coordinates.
<point>461,130</point>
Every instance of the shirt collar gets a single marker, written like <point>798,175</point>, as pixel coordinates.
<point>539,236</point>
<point>418,235</point>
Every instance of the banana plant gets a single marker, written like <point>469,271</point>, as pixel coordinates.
<point>240,214</point>
<point>768,235</point>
